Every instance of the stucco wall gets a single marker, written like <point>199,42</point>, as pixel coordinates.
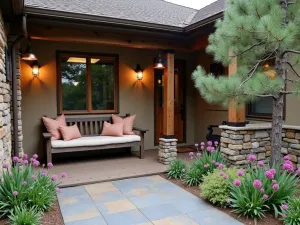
<point>39,94</point>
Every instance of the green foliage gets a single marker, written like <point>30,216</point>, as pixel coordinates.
<point>292,214</point>
<point>215,188</point>
<point>176,169</point>
<point>22,215</point>
<point>193,175</point>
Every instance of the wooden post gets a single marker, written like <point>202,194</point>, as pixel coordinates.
<point>168,121</point>
<point>236,114</point>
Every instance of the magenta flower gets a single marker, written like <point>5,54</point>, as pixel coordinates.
<point>191,154</point>
<point>206,165</point>
<point>64,174</point>
<point>202,143</point>
<point>58,190</point>
<point>35,156</point>
<point>228,202</point>
<point>298,171</point>
<point>240,173</point>
<point>269,174</point>
<point>212,149</point>
<point>251,158</point>
<point>50,165</point>
<point>202,147</point>
<point>208,148</point>
<point>288,162</point>
<point>24,156</point>
<point>257,184</point>
<point>33,177</point>
<point>273,171</point>
<point>287,158</point>
<point>225,177</point>
<point>25,162</point>
<point>5,165</point>
<point>15,193</point>
<point>213,161</point>
<point>237,183</point>
<point>284,207</point>
<point>274,182</point>
<point>262,190</point>
<point>216,143</point>
<point>217,164</point>
<point>44,173</point>
<point>25,183</point>
<point>275,187</point>
<point>15,159</point>
<point>288,166</point>
<point>209,143</point>
<point>53,177</point>
<point>36,163</point>
<point>222,173</point>
<point>260,164</point>
<point>221,166</point>
<point>265,196</point>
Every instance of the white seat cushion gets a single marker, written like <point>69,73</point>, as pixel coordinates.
<point>94,141</point>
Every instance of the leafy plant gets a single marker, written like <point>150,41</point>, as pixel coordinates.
<point>193,175</point>
<point>176,169</point>
<point>22,215</point>
<point>291,216</point>
<point>215,188</point>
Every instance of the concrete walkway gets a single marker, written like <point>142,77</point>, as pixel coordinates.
<point>138,201</point>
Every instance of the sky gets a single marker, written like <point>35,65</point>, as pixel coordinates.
<point>196,4</point>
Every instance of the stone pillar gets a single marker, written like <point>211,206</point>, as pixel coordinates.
<point>167,150</point>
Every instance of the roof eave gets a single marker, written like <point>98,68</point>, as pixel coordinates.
<point>202,23</point>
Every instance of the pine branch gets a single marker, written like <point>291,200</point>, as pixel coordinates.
<point>288,92</point>
<point>248,49</point>
<point>291,80</point>
<point>293,68</point>
<point>290,51</point>
<point>265,96</point>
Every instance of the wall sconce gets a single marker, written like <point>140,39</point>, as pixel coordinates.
<point>28,55</point>
<point>159,63</point>
<point>139,72</point>
<point>35,69</point>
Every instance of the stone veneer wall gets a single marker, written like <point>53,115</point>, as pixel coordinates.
<point>167,150</point>
<point>238,142</point>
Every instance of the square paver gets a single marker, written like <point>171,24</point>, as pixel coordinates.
<point>147,200</point>
<point>175,220</point>
<point>213,217</point>
<point>131,217</point>
<point>72,191</point>
<point>189,204</point>
<point>92,221</point>
<point>107,197</point>
<point>115,206</point>
<point>100,188</point>
<point>158,212</point>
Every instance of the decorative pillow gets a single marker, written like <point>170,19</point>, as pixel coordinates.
<point>70,133</point>
<point>52,126</point>
<point>112,129</point>
<point>127,121</point>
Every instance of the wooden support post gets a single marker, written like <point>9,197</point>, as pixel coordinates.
<point>168,121</point>
<point>236,114</point>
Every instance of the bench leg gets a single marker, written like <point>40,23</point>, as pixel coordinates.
<point>142,148</point>
<point>49,152</point>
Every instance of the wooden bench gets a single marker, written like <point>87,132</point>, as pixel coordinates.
<point>92,127</point>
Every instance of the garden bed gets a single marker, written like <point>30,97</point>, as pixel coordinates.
<point>268,220</point>
<point>49,218</point>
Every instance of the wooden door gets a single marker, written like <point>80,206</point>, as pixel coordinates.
<point>179,102</point>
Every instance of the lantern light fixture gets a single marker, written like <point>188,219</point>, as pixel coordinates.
<point>28,54</point>
<point>139,72</point>
<point>35,69</point>
<point>159,62</point>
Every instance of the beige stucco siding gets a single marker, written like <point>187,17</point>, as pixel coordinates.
<point>135,97</point>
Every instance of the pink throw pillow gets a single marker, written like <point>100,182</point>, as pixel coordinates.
<point>70,133</point>
<point>127,121</point>
<point>52,126</point>
<point>112,129</point>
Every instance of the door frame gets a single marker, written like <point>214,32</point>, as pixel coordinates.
<point>184,101</point>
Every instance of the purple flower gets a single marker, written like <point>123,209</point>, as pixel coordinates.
<point>64,174</point>
<point>265,196</point>
<point>262,190</point>
<point>257,184</point>
<point>216,143</point>
<point>213,161</point>
<point>274,182</point>
<point>5,165</point>
<point>251,158</point>
<point>44,173</point>
<point>260,164</point>
<point>298,171</point>
<point>33,177</point>
<point>225,177</point>
<point>208,148</point>
<point>206,165</point>
<point>15,193</point>
<point>198,154</point>
<point>273,171</point>
<point>183,170</point>
<point>221,166</point>
<point>35,156</point>
<point>275,187</point>
<point>202,147</point>
<point>212,149</point>
<point>209,143</point>
<point>191,154</point>
<point>284,207</point>
<point>50,165</point>
<point>237,183</point>
<point>53,177</point>
<point>10,174</point>
<point>202,143</point>
<point>228,202</point>
<point>25,183</point>
<point>24,156</point>
<point>240,173</point>
<point>288,166</point>
<point>287,158</point>
<point>15,159</point>
<point>58,190</point>
<point>269,174</point>
<point>25,162</point>
<point>217,164</point>
<point>36,163</point>
<point>222,173</point>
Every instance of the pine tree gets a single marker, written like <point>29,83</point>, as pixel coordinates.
<point>256,32</point>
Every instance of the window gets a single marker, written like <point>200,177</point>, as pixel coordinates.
<point>261,108</point>
<point>87,83</point>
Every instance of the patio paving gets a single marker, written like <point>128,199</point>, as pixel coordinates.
<point>137,201</point>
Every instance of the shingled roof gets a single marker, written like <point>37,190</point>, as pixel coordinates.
<point>147,11</point>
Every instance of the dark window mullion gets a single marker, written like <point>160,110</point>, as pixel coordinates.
<point>89,84</point>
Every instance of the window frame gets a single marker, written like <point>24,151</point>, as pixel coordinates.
<point>89,109</point>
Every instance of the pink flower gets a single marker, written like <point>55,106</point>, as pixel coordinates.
<point>5,165</point>
<point>298,171</point>
<point>213,161</point>
<point>25,162</point>
<point>257,184</point>
<point>237,183</point>
<point>222,173</point>
<point>284,207</point>
<point>273,171</point>
<point>15,159</point>
<point>275,187</point>
<point>209,143</point>
<point>287,158</point>
<point>225,177</point>
<point>53,177</point>
<point>64,174</point>
<point>15,193</point>
<point>274,182</point>
<point>216,143</point>
<point>50,165</point>
<point>269,174</point>
<point>33,177</point>
<point>44,173</point>
<point>25,183</point>
<point>262,190</point>
<point>265,196</point>
<point>251,158</point>
<point>191,154</point>
<point>206,165</point>
<point>35,156</point>
<point>202,143</point>
<point>212,149</point>
<point>36,163</point>
<point>260,164</point>
<point>217,164</point>
<point>208,148</point>
<point>202,147</point>
<point>288,162</point>
<point>32,159</point>
<point>240,173</point>
<point>221,166</point>
<point>228,202</point>
<point>58,190</point>
<point>288,167</point>
<point>24,156</point>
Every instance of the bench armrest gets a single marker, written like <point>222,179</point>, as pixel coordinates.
<point>47,135</point>
<point>140,130</point>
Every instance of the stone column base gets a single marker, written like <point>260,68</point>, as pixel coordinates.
<point>167,150</point>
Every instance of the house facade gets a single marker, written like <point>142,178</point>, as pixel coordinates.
<point>76,41</point>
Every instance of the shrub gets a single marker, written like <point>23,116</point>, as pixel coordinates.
<point>193,175</point>
<point>215,188</point>
<point>176,169</point>
<point>291,216</point>
<point>21,215</point>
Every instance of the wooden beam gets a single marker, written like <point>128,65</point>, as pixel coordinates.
<point>200,43</point>
<point>236,114</point>
<point>168,121</point>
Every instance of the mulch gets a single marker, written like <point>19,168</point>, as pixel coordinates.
<point>53,217</point>
<point>268,220</point>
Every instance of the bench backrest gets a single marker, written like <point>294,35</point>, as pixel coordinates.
<point>90,126</point>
